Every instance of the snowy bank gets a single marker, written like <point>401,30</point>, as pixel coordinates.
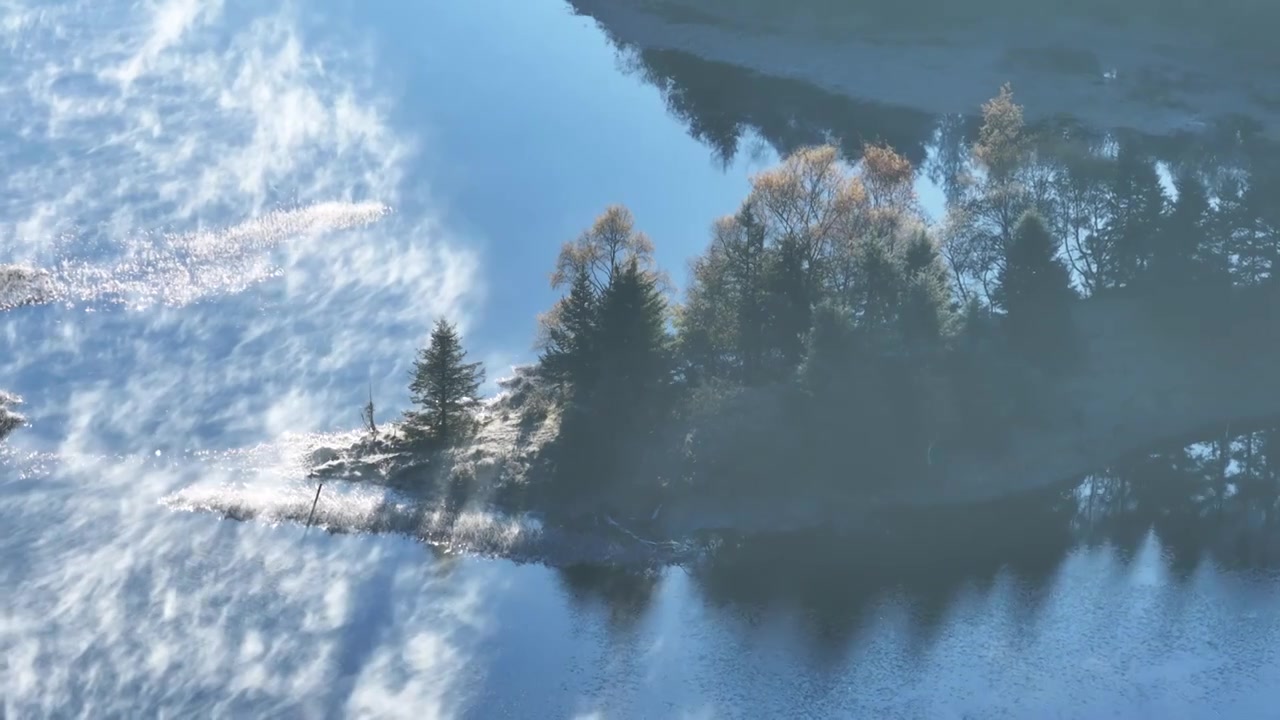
<point>10,420</point>
<point>21,285</point>
<point>345,507</point>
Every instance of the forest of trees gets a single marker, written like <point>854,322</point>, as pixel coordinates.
<point>886,333</point>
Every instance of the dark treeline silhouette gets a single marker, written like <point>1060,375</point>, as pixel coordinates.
<point>1232,479</point>
<point>1209,500</point>
<point>725,105</point>
<point>730,108</point>
<point>876,335</point>
<point>625,594</point>
<point>832,342</point>
<point>1225,21</point>
<point>607,346</point>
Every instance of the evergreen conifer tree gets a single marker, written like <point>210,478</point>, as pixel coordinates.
<point>748,268</point>
<point>444,387</point>
<point>1179,256</point>
<point>927,297</point>
<point>1034,287</point>
<point>632,389</point>
<point>1138,204</point>
<point>879,286</point>
<point>829,351</point>
<point>1264,223</point>
<point>571,353</point>
<point>789,300</point>
<point>705,327</point>
<point>635,350</point>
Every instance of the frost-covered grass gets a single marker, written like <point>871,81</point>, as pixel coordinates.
<point>454,500</point>
<point>474,529</point>
<point>23,285</point>
<point>343,507</point>
<point>10,420</point>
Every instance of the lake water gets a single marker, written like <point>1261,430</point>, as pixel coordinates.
<point>456,146</point>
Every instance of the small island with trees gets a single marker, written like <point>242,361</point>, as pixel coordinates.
<point>835,352</point>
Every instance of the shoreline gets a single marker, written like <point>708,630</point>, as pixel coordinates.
<point>1139,387</point>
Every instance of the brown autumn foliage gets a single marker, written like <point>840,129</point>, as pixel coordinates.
<point>1001,146</point>
<point>890,182</point>
<point>608,245</point>
<point>888,176</point>
<point>810,199</point>
<point>602,250</point>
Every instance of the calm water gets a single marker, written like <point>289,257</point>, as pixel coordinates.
<point>134,135</point>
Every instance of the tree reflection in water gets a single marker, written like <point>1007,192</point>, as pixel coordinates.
<point>1211,501</point>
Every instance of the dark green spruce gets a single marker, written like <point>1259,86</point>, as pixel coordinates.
<point>444,389</point>
<point>1034,289</point>
<point>570,356</point>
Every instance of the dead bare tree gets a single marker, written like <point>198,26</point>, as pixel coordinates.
<point>367,418</point>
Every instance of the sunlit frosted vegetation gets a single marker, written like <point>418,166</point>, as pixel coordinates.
<point>10,420</point>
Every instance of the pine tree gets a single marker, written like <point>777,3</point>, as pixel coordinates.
<point>1182,256</point>
<point>705,327</point>
<point>444,387</point>
<point>570,355</point>
<point>598,434</point>
<point>635,350</point>
<point>1245,228</point>
<point>722,323</point>
<point>830,378</point>
<point>1034,287</point>
<point>1138,203</point>
<point>1264,213</point>
<point>747,265</point>
<point>1229,229</point>
<point>926,300</point>
<point>829,351</point>
<point>789,301</point>
<point>922,255</point>
<point>878,287</point>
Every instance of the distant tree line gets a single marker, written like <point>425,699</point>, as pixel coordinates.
<point>1119,227</point>
<point>1227,21</point>
<point>886,335</point>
